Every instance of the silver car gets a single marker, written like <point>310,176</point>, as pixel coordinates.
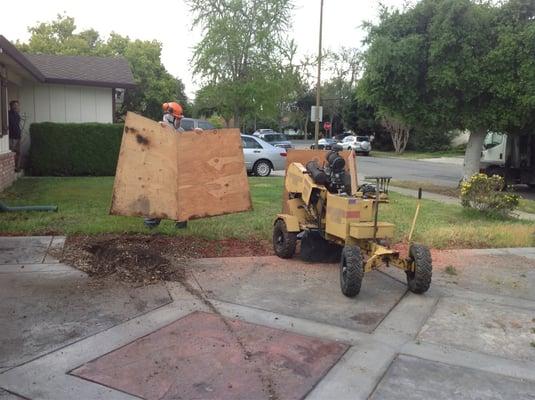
<point>261,157</point>
<point>361,144</point>
<point>276,139</point>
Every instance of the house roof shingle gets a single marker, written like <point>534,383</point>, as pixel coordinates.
<point>84,70</point>
<point>20,58</point>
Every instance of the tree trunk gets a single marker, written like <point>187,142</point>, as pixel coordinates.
<point>472,156</point>
<point>237,120</point>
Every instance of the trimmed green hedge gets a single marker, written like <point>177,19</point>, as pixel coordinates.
<point>74,149</point>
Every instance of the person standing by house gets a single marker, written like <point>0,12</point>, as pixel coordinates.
<point>14,131</point>
<point>172,115</point>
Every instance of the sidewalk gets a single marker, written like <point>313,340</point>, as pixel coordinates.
<point>266,328</point>
<point>450,200</point>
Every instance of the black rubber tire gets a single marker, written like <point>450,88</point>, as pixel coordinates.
<point>351,270</point>
<point>420,280</point>
<point>367,154</point>
<point>349,148</point>
<point>284,242</point>
<point>259,168</point>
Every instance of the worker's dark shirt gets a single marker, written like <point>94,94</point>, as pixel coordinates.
<point>14,125</point>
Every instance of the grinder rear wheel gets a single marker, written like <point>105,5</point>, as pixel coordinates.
<point>284,242</point>
<point>351,270</point>
<point>419,280</point>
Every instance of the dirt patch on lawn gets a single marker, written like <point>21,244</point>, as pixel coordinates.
<point>146,259</point>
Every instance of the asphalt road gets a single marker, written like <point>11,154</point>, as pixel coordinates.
<point>411,170</point>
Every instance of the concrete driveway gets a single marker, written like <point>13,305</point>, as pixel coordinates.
<point>266,328</point>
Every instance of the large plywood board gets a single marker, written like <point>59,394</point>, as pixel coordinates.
<point>179,176</point>
<point>211,174</point>
<point>303,157</point>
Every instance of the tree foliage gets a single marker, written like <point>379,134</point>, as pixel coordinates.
<point>154,84</point>
<point>244,57</point>
<point>454,64</point>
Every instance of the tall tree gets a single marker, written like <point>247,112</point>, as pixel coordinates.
<point>437,65</point>
<point>242,50</point>
<point>155,84</point>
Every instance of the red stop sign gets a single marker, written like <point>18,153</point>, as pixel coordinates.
<point>326,126</point>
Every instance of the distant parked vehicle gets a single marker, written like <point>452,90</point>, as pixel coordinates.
<point>341,136</point>
<point>261,157</point>
<point>324,144</point>
<point>276,139</point>
<point>361,144</point>
<point>259,132</point>
<point>190,124</point>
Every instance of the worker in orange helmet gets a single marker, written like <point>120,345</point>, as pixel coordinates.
<point>172,115</point>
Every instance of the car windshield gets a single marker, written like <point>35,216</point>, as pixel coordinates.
<point>274,138</point>
<point>363,139</point>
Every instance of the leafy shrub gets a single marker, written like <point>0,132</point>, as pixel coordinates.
<point>483,193</point>
<point>74,149</point>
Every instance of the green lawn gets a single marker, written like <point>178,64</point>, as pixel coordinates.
<point>416,155</point>
<point>84,204</point>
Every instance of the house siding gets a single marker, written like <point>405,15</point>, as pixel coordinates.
<point>65,103</point>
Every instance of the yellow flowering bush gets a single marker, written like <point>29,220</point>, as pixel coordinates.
<point>483,193</point>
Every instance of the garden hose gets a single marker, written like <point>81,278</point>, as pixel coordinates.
<point>4,208</point>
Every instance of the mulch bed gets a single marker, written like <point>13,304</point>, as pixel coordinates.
<point>146,259</point>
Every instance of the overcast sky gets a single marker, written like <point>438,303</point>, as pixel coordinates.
<point>170,22</point>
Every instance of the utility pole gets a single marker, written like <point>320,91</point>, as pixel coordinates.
<point>317,133</point>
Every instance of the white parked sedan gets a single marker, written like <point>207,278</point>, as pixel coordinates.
<point>261,157</point>
<point>361,144</point>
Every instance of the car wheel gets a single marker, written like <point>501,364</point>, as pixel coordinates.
<point>262,168</point>
<point>349,148</point>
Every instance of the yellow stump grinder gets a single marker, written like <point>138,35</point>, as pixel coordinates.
<point>334,218</point>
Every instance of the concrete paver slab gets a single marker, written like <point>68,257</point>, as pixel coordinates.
<point>21,250</point>
<point>43,310</point>
<point>504,273</point>
<point>8,396</point>
<point>296,288</point>
<point>487,328</point>
<point>417,379</point>
<point>204,356</point>
<point>56,246</point>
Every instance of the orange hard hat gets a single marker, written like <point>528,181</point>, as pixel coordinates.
<point>173,108</point>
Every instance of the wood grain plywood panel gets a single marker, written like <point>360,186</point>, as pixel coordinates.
<point>179,176</point>
<point>211,174</point>
<point>145,181</point>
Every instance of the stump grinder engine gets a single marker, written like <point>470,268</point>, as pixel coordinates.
<point>335,223</point>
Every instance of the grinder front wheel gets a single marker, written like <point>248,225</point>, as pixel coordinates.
<point>419,280</point>
<point>351,270</point>
<point>284,242</point>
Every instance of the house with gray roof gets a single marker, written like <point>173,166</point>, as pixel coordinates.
<point>56,88</point>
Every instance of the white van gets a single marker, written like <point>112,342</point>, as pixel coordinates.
<point>510,156</point>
